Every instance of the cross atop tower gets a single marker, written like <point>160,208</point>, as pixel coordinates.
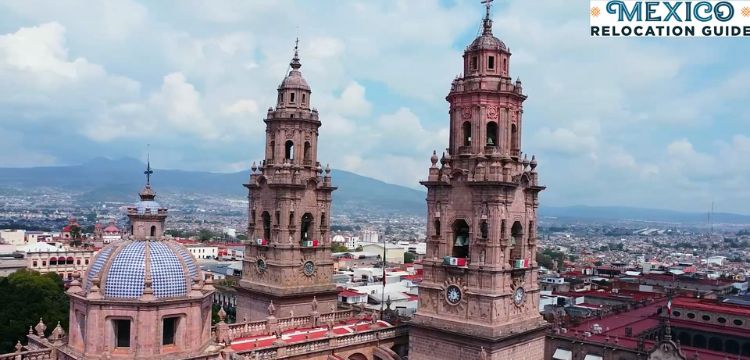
<point>487,21</point>
<point>148,171</point>
<point>488,5</point>
<point>295,64</point>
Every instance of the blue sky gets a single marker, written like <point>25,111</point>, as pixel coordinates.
<point>613,121</point>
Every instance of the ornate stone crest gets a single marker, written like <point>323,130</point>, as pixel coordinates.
<point>466,113</point>
<point>492,112</point>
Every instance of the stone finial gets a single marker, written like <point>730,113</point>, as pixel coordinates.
<point>254,168</point>
<point>148,290</point>
<point>271,309</point>
<point>19,347</point>
<point>57,333</point>
<point>208,284</point>
<point>314,304</point>
<point>94,292</point>
<point>222,314</point>
<point>75,286</point>
<point>388,302</point>
<point>443,160</point>
<point>434,159</point>
<point>196,289</point>
<point>526,161</point>
<point>291,313</point>
<point>40,328</point>
<point>533,162</point>
<point>31,330</point>
<point>328,169</point>
<point>483,354</point>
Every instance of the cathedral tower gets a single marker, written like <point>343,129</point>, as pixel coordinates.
<point>480,298</point>
<point>288,257</point>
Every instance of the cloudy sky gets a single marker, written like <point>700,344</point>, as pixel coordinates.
<point>640,122</point>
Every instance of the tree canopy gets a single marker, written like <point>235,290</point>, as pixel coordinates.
<point>27,296</point>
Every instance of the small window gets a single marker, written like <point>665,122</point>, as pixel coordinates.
<point>706,318</point>
<point>737,322</point>
<point>437,227</point>
<point>505,64</point>
<point>122,333</point>
<point>169,331</point>
<point>691,316</point>
<point>721,320</point>
<point>291,97</point>
<point>34,264</point>
<point>491,63</point>
<point>676,313</point>
<point>86,261</point>
<point>474,63</point>
<point>303,98</point>
<point>44,263</point>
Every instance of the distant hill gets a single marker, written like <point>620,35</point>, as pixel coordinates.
<point>119,180</point>
<point>639,214</point>
<point>104,179</point>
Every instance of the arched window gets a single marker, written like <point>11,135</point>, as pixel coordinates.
<point>272,150</point>
<point>492,133</point>
<point>516,240</point>
<point>437,227</point>
<point>70,260</point>
<point>289,150</point>
<point>513,138</point>
<point>460,239</point>
<point>266,217</point>
<point>291,97</point>
<point>306,227</point>
<point>307,154</point>
<point>53,261</point>
<point>153,230</point>
<point>467,133</point>
<point>714,343</point>
<point>303,98</point>
<point>322,219</point>
<point>699,341</point>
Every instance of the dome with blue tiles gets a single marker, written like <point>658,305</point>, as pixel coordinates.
<point>132,268</point>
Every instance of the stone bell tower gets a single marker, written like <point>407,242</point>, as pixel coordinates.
<point>288,255</point>
<point>480,298</point>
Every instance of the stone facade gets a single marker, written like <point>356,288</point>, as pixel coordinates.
<point>288,257</point>
<point>480,291</point>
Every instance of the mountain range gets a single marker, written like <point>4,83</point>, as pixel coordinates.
<point>104,179</point>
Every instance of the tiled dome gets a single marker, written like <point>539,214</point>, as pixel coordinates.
<point>123,269</point>
<point>294,81</point>
<point>487,42</point>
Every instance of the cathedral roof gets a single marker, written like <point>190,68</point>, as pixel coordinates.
<point>126,269</point>
<point>295,80</point>
<point>487,42</point>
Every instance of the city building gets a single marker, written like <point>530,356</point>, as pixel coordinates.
<point>13,237</point>
<point>479,297</point>
<point>203,252</point>
<point>394,254</point>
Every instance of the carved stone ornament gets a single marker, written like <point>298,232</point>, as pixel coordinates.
<point>466,113</point>
<point>492,112</point>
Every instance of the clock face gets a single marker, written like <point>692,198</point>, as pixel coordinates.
<point>308,268</point>
<point>519,295</point>
<point>453,294</point>
<point>261,265</point>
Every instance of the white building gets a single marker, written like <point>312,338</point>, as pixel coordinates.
<point>13,237</point>
<point>203,252</point>
<point>369,236</point>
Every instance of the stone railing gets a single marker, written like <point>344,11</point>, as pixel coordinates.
<point>326,344</point>
<point>44,354</point>
<point>250,328</point>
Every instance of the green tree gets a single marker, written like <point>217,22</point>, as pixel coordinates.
<point>27,296</point>
<point>205,235</point>
<point>339,248</point>
<point>409,257</point>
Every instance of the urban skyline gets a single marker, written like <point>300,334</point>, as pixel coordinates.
<point>200,77</point>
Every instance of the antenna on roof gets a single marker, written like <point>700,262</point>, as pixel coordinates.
<point>148,171</point>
